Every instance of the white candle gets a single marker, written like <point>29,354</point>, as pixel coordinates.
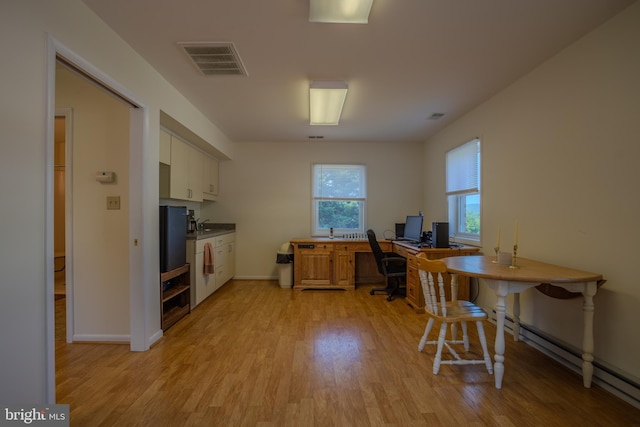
<point>498,241</point>
<point>516,238</point>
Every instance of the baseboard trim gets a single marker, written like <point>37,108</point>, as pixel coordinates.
<point>255,277</point>
<point>96,338</point>
<point>155,337</point>
<point>615,382</point>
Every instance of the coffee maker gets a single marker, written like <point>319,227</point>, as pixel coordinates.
<point>191,222</point>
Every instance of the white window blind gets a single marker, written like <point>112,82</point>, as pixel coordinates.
<point>463,168</point>
<point>339,182</point>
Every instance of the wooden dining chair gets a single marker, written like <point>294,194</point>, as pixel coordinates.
<point>448,312</point>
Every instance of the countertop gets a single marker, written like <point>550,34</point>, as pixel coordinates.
<point>212,230</point>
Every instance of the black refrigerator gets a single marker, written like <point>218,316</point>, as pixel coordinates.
<point>173,237</point>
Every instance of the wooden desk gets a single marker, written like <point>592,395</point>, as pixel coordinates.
<point>415,297</point>
<point>504,280</point>
<point>323,263</point>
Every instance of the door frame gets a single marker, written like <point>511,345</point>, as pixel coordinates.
<point>67,113</point>
<point>138,275</point>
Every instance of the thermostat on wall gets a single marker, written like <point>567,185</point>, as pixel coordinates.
<point>104,176</point>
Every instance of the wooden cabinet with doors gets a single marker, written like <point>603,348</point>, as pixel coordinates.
<point>312,265</point>
<point>343,259</point>
<point>323,263</point>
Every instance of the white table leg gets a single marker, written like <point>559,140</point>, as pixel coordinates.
<point>587,338</point>
<point>499,347</point>
<point>516,317</point>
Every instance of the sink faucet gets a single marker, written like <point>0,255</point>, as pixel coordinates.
<point>200,225</point>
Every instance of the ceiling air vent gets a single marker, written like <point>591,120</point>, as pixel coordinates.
<point>215,59</point>
<point>435,116</point>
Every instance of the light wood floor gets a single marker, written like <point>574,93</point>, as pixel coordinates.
<point>257,355</point>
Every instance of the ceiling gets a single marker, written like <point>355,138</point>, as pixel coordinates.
<point>413,59</point>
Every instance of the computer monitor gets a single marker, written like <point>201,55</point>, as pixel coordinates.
<point>413,228</point>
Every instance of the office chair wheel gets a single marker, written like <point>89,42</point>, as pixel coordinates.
<point>372,293</point>
<point>390,298</point>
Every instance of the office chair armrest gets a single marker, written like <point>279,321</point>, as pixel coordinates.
<point>393,262</point>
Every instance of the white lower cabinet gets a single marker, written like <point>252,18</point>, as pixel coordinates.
<point>203,285</point>
<point>225,258</point>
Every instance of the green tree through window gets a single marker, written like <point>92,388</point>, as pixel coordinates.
<point>339,194</point>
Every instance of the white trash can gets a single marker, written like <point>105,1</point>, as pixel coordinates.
<point>284,259</point>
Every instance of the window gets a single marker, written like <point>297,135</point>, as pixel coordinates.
<point>339,196</point>
<point>463,192</point>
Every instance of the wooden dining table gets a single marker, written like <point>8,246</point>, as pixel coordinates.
<point>505,280</point>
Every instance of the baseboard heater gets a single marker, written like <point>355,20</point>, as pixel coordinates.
<point>606,377</point>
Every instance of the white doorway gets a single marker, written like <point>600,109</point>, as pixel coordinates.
<point>131,223</point>
<point>62,223</point>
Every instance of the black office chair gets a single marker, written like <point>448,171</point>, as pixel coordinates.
<point>391,265</point>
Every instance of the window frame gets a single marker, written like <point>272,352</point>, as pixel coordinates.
<point>458,190</point>
<point>316,230</point>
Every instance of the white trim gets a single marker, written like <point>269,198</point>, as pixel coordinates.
<point>138,306</point>
<point>155,337</point>
<point>50,310</point>
<point>67,113</point>
<point>123,339</point>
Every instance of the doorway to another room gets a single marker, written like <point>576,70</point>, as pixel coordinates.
<point>60,183</point>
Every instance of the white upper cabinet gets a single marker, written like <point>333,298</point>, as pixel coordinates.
<point>184,170</point>
<point>165,148</point>
<point>210,177</point>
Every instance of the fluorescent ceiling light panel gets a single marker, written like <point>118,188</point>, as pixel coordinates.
<point>326,100</point>
<point>340,11</point>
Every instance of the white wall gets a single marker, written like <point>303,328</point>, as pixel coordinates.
<point>25,28</point>
<point>100,237</point>
<point>266,191</point>
<point>560,152</point>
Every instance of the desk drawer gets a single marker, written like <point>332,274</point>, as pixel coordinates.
<point>353,247</point>
<point>412,291</point>
<point>225,239</point>
<point>402,251</point>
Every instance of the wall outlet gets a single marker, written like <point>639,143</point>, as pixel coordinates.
<point>113,202</point>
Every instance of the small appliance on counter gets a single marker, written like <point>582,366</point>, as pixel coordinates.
<point>173,237</point>
<point>192,225</point>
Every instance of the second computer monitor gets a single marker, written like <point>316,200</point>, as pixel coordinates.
<point>413,228</point>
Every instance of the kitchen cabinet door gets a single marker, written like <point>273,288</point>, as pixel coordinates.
<point>210,177</point>
<point>185,181</point>
<point>202,284</point>
<point>225,258</point>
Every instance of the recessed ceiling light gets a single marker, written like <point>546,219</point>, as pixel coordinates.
<point>326,99</point>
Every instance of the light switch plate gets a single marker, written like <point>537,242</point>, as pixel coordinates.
<point>113,202</point>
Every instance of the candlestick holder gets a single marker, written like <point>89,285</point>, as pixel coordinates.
<point>496,250</point>
<point>514,257</point>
